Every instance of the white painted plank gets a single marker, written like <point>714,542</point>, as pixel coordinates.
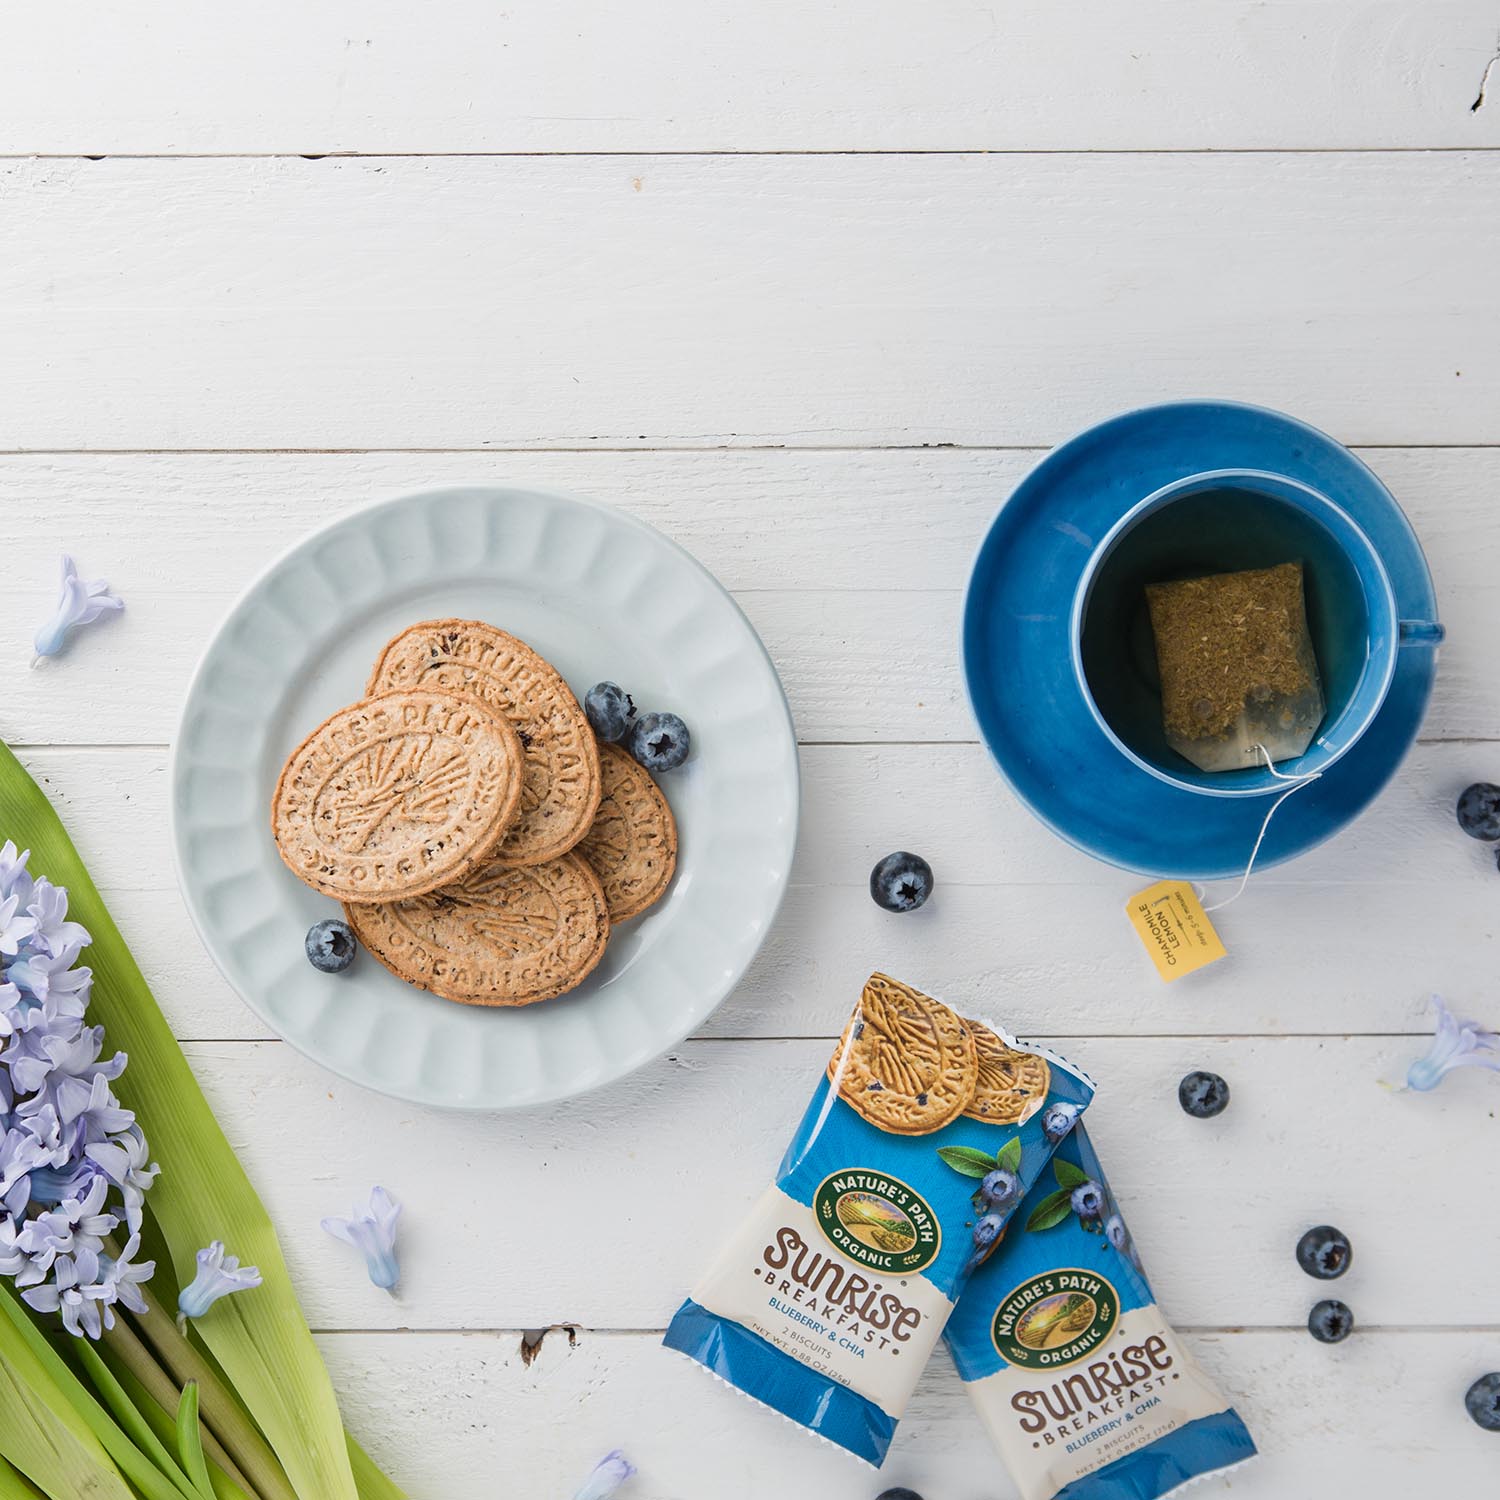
<point>788,518</point>
<point>785,518</point>
<point>864,666</point>
<point>548,301</point>
<point>851,565</point>
<point>503,1211</point>
<point>775,75</point>
<point>1020,920</point>
<point>1380,1417</point>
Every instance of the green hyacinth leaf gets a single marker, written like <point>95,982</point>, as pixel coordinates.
<point>190,1442</point>
<point>16,1486</point>
<point>259,1339</point>
<point>70,1390</point>
<point>164,1423</point>
<point>42,1434</point>
<point>132,1423</point>
<point>372,1482</point>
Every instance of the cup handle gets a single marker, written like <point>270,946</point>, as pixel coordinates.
<point>1421,633</point>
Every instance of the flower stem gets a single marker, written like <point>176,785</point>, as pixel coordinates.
<point>159,1386</point>
<point>220,1410</point>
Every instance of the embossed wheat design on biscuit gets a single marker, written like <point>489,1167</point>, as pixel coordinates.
<point>511,931</point>
<point>610,835</point>
<point>904,1055</point>
<point>512,683</point>
<point>509,925</point>
<point>1000,1072</point>
<point>490,884</point>
<point>536,782</point>
<point>387,777</point>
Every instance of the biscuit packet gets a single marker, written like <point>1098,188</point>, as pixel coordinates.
<point>1237,667</point>
<point>1080,1382</point>
<point>923,1135</point>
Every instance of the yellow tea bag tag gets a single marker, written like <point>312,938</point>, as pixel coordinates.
<point>1169,919</point>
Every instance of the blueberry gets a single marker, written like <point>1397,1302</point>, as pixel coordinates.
<point>1087,1200</point>
<point>1324,1252</point>
<point>1000,1188</point>
<point>1483,1401</point>
<point>898,1493</point>
<point>1058,1120</point>
<point>1330,1322</point>
<point>1479,811</point>
<point>901,881</point>
<point>660,741</point>
<point>331,946</point>
<point>610,709</point>
<point>1203,1095</point>
<point>987,1230</point>
<point>1116,1233</point>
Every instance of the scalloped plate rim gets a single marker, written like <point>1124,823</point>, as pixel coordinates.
<point>758,925</point>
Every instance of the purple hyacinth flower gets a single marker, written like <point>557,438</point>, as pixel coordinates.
<point>373,1234</point>
<point>1455,1044</point>
<point>73,1162</point>
<point>79,602</point>
<point>609,1474</point>
<point>218,1275</point>
<point>16,924</point>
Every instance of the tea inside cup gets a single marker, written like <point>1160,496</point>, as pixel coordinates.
<point>1229,521</point>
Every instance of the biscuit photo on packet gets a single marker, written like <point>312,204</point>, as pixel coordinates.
<point>1012,1084</point>
<point>907,1063</point>
<point>826,1302</point>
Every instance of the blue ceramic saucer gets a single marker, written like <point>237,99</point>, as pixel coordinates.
<point>1017,646</point>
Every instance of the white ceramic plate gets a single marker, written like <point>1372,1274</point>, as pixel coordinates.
<point>600,595</point>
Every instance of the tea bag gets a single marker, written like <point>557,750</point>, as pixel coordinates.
<point>1237,666</point>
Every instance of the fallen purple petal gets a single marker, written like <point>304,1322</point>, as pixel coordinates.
<point>1455,1044</point>
<point>79,603</point>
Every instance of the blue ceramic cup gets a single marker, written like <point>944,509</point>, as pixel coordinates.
<point>1221,522</point>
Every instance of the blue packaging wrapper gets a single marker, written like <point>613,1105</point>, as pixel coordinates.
<point>1083,1386</point>
<point>924,1132</point>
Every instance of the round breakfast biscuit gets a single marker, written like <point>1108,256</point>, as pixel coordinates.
<point>1012,1084</point>
<point>504,935</point>
<point>397,795</point>
<point>632,845</point>
<point>906,1062</point>
<point>562,785</point>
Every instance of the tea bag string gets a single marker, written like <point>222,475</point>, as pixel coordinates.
<point>1295,784</point>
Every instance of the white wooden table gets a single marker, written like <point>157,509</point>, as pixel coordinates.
<point>810,287</point>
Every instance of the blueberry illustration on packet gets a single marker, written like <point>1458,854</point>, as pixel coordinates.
<point>1085,1389</point>
<point>920,1143</point>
